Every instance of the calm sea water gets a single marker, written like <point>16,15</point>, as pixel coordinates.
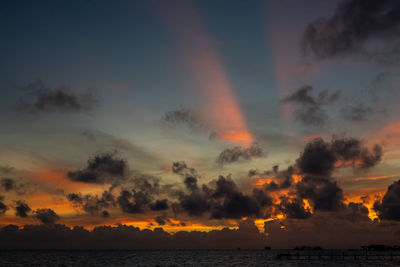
<point>186,258</point>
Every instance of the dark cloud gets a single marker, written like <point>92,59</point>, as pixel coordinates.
<point>3,207</point>
<point>357,113</point>
<point>56,236</point>
<point>355,212</point>
<point>159,205</point>
<point>319,157</point>
<point>389,207</point>
<point>183,116</point>
<point>102,168</point>
<point>140,197</point>
<point>229,202</point>
<point>239,153</point>
<point>345,228</point>
<point>46,216</point>
<point>309,108</point>
<point>317,162</point>
<point>93,204</point>
<point>222,198</point>
<point>105,214</point>
<point>360,112</point>
<point>181,168</point>
<point>8,184</point>
<point>39,98</point>
<point>324,193</point>
<point>293,208</point>
<point>195,204</point>
<point>316,165</point>
<point>356,26</point>
<point>6,169</point>
<point>22,209</point>
<point>160,220</point>
<point>285,177</point>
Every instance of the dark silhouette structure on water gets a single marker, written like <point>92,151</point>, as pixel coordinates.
<point>380,248</point>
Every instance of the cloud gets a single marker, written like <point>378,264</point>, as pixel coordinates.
<point>46,216</point>
<point>93,204</point>
<point>6,169</point>
<point>22,209</point>
<point>284,177</point>
<point>357,113</point>
<point>365,26</point>
<point>181,168</point>
<point>57,236</point>
<point>159,205</point>
<point>389,207</point>
<point>224,201</point>
<point>346,228</point>
<point>8,184</point>
<point>239,153</point>
<point>3,207</point>
<point>195,203</point>
<point>309,108</point>
<point>294,208</point>
<point>187,117</point>
<point>140,197</point>
<point>102,168</point>
<point>39,98</point>
<point>324,193</point>
<point>319,157</point>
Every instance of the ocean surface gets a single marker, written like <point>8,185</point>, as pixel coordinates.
<point>198,258</point>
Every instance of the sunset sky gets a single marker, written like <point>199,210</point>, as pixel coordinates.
<point>276,119</point>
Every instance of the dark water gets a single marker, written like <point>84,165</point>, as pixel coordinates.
<point>192,258</point>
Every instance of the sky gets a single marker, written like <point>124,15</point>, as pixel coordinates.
<point>231,123</point>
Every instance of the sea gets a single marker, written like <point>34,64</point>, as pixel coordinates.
<point>197,258</point>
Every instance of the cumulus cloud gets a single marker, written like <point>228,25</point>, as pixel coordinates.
<point>323,192</point>
<point>239,153</point>
<point>309,109</point>
<point>319,157</point>
<point>140,197</point>
<point>317,162</point>
<point>22,209</point>
<point>102,168</point>
<point>389,207</point>
<point>93,204</point>
<point>159,205</point>
<point>367,26</point>
<point>3,207</point>
<point>40,98</point>
<point>46,216</point>
<point>223,200</point>
<point>293,208</point>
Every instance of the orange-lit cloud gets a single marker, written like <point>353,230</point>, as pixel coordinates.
<point>374,178</point>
